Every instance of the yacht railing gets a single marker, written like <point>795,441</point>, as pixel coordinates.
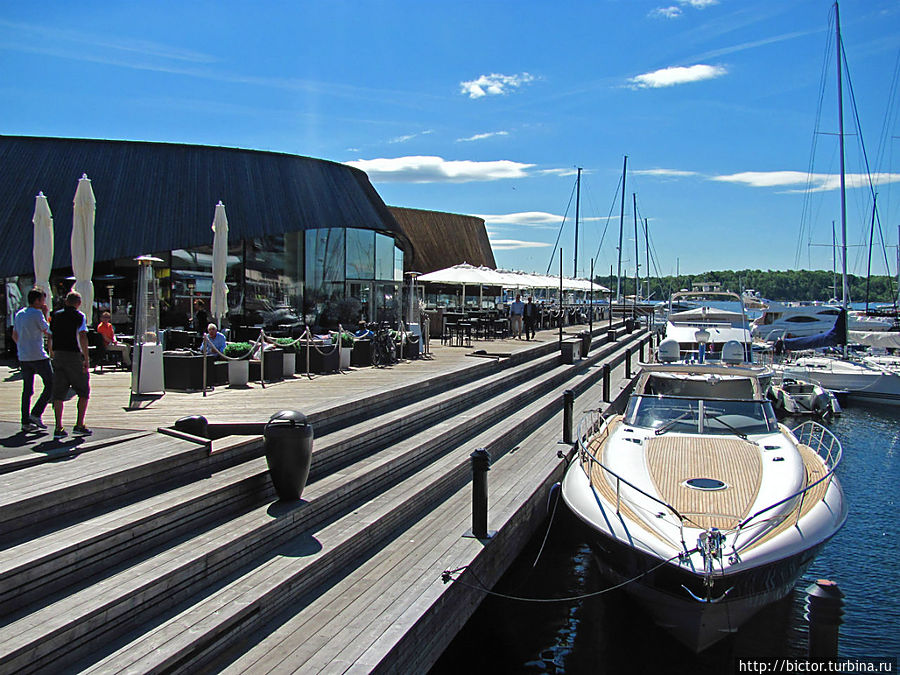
<point>815,436</point>
<point>590,424</point>
<point>826,445</point>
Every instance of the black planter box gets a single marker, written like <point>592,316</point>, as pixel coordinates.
<point>274,360</point>
<point>411,348</point>
<point>322,358</point>
<point>362,353</point>
<point>184,372</point>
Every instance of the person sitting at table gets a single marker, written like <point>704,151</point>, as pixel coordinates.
<point>363,331</point>
<point>111,344</point>
<point>214,337</point>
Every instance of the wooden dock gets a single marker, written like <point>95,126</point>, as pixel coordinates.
<point>144,552</point>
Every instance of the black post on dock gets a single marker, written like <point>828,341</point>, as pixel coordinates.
<point>481,464</point>
<point>628,363</point>
<point>568,407</point>
<point>824,609</point>
<point>606,382</point>
<point>641,352</point>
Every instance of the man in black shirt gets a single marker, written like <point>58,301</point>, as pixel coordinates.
<point>71,360</point>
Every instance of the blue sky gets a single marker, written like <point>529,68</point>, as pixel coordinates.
<point>487,107</point>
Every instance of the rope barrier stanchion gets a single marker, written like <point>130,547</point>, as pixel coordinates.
<point>205,360</point>
<point>262,361</point>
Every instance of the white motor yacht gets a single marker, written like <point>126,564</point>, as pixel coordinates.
<point>864,382</point>
<point>698,500</point>
<point>780,320</point>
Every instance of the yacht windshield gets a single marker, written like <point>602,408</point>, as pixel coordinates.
<point>700,416</point>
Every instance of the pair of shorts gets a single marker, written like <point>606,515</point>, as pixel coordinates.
<point>68,371</point>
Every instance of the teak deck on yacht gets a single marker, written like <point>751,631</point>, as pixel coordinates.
<point>674,459</point>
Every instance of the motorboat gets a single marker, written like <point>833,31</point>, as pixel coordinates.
<point>863,382</point>
<point>797,397</point>
<point>792,320</point>
<point>697,501</point>
<point>752,299</point>
<point>706,328</point>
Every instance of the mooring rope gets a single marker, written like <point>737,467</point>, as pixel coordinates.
<point>447,577</point>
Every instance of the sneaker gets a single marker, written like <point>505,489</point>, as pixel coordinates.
<point>36,421</point>
<point>59,432</point>
<point>29,427</point>
<point>82,430</point>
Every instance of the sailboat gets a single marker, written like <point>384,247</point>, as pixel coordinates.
<point>864,382</point>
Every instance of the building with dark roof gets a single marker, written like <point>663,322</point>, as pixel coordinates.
<point>308,238</point>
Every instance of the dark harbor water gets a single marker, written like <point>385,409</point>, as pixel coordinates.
<point>608,634</point>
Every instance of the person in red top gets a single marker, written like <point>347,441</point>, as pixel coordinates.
<point>105,328</point>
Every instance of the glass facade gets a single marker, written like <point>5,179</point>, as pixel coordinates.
<point>320,277</point>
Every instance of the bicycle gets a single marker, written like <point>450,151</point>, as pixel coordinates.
<point>384,348</point>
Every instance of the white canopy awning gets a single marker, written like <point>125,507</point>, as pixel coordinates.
<point>469,275</point>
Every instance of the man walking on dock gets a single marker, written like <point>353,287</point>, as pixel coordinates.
<point>516,312</point>
<point>530,314</point>
<point>71,361</point>
<point>29,328</point>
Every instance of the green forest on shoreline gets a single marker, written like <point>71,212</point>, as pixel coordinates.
<point>771,284</point>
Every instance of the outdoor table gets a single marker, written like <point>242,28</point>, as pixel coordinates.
<point>463,334</point>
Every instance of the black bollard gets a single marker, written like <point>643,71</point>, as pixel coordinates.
<point>824,609</point>
<point>606,382</point>
<point>641,352</point>
<point>481,464</point>
<point>628,363</point>
<point>196,425</point>
<point>568,406</point>
<point>611,335</point>
<point>288,447</point>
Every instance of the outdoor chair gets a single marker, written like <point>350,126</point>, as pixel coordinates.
<point>99,355</point>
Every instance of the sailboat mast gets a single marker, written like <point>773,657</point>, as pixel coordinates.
<point>846,290</point>
<point>647,251</point>
<point>621,229</point>
<point>871,238</point>
<point>577,207</point>
<point>833,262</point>
<point>637,272</point>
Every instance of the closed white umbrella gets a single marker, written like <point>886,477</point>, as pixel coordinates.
<point>43,243</point>
<point>83,244</point>
<point>218,304</point>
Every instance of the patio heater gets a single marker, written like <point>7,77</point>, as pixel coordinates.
<point>191,286</point>
<point>147,363</point>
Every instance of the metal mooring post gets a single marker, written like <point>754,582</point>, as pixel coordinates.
<point>606,382</point>
<point>568,406</point>
<point>481,464</point>
<point>628,363</point>
<point>641,353</point>
<point>824,609</point>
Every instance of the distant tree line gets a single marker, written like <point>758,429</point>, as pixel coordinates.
<point>771,284</point>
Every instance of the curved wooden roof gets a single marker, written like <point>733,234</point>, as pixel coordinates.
<point>154,197</point>
<point>441,240</point>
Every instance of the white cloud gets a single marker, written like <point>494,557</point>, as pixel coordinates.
<point>817,182</point>
<point>514,244</point>
<point>494,84</point>
<point>672,12</point>
<point>669,77</point>
<point>481,137</point>
<point>525,218</point>
<point>699,4</point>
<point>675,173</point>
<point>535,219</point>
<point>559,172</point>
<point>426,169</point>
<point>409,137</point>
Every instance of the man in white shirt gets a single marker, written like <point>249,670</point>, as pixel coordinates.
<point>29,328</point>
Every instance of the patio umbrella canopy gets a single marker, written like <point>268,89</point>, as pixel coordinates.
<point>218,304</point>
<point>83,244</point>
<point>43,243</point>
